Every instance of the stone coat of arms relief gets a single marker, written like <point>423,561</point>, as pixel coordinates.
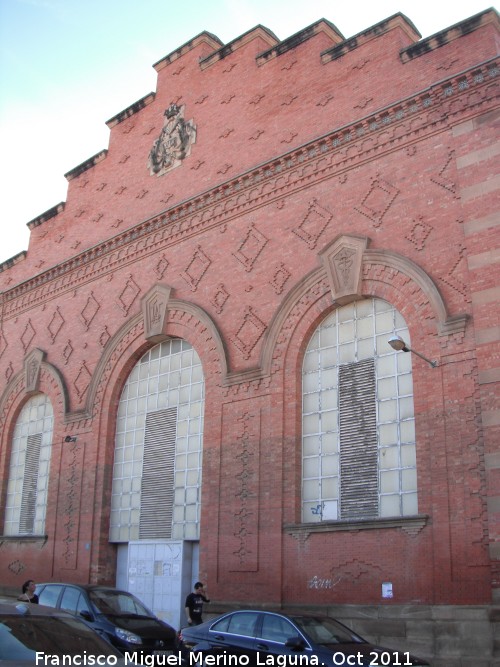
<point>174,142</point>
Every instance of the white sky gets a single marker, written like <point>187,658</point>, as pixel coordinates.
<point>68,66</point>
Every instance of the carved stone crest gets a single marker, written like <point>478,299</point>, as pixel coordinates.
<point>155,312</point>
<point>32,367</point>
<point>343,261</point>
<point>174,142</point>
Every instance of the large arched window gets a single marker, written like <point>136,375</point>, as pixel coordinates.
<point>26,501</point>
<point>358,420</point>
<point>158,447</point>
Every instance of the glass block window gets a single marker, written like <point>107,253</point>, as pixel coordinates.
<point>358,426</point>
<point>158,447</point>
<point>26,501</point>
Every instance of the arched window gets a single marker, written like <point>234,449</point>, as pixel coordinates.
<point>26,501</point>
<point>358,419</point>
<point>158,447</point>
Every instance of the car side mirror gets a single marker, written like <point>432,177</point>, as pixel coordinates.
<point>86,615</point>
<point>295,643</point>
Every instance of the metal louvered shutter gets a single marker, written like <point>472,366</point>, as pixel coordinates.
<point>358,441</point>
<point>157,485</point>
<point>30,484</point>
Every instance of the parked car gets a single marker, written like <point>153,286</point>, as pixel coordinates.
<point>117,615</point>
<point>30,629</point>
<point>274,639</point>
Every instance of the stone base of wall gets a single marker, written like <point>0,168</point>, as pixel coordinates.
<point>445,635</point>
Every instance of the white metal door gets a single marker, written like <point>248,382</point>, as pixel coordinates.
<point>160,573</point>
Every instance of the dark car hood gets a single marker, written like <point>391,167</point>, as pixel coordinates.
<point>144,626</point>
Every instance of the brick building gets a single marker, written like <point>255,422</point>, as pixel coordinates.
<point>196,373</point>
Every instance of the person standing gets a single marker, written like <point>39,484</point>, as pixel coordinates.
<point>28,594</point>
<point>194,604</point>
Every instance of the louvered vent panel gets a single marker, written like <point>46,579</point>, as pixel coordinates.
<point>358,441</point>
<point>157,485</point>
<point>30,484</point>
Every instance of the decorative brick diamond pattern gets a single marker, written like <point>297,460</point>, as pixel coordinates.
<point>196,269</point>
<point>55,324</point>
<point>27,335</point>
<point>90,310</point>
<point>161,267</point>
<point>378,201</point>
<point>251,247</point>
<point>443,178</point>
<point>251,330</point>
<point>219,298</point>
<point>314,224</point>
<point>128,295</point>
<point>67,351</point>
<point>280,277</point>
<point>82,380</point>
<point>419,233</point>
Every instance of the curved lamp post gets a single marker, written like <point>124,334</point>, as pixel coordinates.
<point>398,344</point>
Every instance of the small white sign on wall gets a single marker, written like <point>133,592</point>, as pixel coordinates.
<point>387,589</point>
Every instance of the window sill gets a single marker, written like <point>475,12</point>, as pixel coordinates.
<point>410,524</point>
<point>23,538</point>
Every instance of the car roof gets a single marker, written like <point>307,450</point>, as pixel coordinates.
<point>27,609</point>
<point>289,614</point>
<point>86,587</point>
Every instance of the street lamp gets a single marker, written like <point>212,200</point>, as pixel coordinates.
<point>398,344</point>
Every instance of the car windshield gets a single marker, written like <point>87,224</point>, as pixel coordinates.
<point>326,631</point>
<point>24,635</point>
<point>118,603</point>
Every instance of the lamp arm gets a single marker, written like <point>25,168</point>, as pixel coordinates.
<point>432,363</point>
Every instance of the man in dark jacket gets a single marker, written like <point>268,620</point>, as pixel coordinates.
<point>194,604</point>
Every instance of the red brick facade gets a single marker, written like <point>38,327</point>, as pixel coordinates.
<point>382,144</point>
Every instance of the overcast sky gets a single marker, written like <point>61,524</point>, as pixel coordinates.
<point>68,66</point>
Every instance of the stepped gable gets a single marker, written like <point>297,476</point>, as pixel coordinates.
<point>397,21</point>
<point>206,40</point>
<point>259,35</point>
<point>240,118</point>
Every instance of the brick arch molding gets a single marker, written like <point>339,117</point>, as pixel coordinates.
<point>382,274</point>
<point>50,382</point>
<point>182,320</point>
